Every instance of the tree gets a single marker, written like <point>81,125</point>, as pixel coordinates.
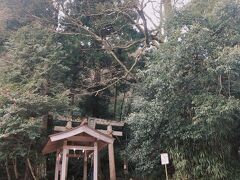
<point>118,29</point>
<point>32,86</point>
<point>187,101</point>
<point>45,73</point>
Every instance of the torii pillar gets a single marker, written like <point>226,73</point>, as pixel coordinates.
<point>111,158</point>
<point>85,159</point>
<point>95,161</point>
<point>64,162</point>
<point>57,165</point>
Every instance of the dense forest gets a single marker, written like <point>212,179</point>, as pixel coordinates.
<point>172,75</point>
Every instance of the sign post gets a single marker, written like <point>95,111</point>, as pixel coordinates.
<point>165,161</point>
<point>166,172</point>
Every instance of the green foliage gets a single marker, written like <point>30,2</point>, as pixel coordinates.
<point>33,83</point>
<point>18,136</point>
<point>187,103</point>
<point>44,72</point>
<point>37,59</point>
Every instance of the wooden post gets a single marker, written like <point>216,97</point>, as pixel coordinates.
<point>57,165</point>
<point>67,152</point>
<point>111,157</point>
<point>85,166</point>
<point>95,162</point>
<point>64,163</point>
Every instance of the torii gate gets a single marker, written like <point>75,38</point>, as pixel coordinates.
<point>99,138</point>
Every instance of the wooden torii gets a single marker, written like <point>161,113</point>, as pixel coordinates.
<point>91,123</point>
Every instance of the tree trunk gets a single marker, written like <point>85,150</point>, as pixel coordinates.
<point>14,161</point>
<point>121,110</point>
<point>161,29</point>
<point>7,170</point>
<point>40,168</point>
<point>125,167</point>
<point>26,174</point>
<point>115,103</point>
<point>45,118</point>
<point>45,121</point>
<point>165,11</point>
<point>31,169</point>
<point>167,8</point>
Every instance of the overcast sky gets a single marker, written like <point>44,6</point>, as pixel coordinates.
<point>155,17</point>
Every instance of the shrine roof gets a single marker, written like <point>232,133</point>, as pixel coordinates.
<point>82,133</point>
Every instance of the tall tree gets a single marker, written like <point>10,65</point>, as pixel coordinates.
<point>47,71</point>
<point>187,101</point>
<point>119,29</point>
<point>32,85</point>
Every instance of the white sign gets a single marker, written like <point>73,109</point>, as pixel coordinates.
<point>164,158</point>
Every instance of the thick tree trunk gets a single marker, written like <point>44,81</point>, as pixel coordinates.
<point>167,8</point>
<point>165,11</point>
<point>161,29</point>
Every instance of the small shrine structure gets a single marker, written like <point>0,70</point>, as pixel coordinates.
<point>86,139</point>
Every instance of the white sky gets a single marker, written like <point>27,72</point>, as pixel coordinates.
<point>149,10</point>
